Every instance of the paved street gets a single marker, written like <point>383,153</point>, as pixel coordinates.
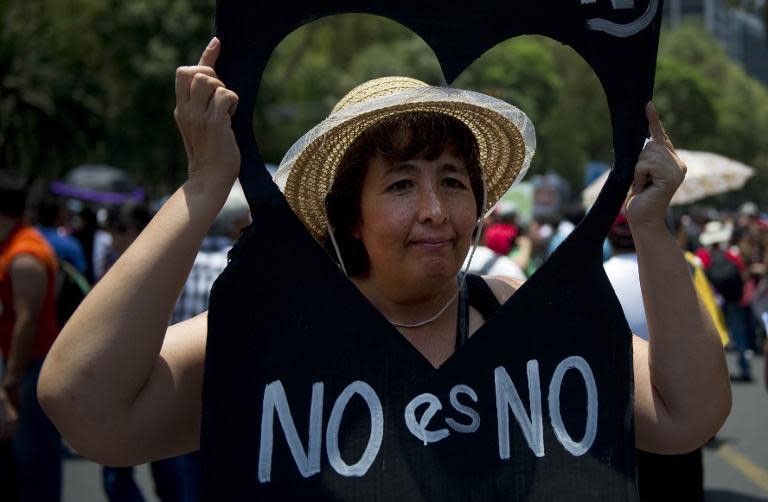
<point>736,464</point>
<point>82,482</point>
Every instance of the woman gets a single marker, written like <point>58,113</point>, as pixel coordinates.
<point>123,388</point>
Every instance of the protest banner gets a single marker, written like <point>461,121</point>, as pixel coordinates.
<point>311,394</point>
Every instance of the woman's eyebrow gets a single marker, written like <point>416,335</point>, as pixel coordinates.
<point>408,167</point>
<point>399,168</point>
<point>453,168</point>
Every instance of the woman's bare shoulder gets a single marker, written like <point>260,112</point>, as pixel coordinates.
<point>502,286</point>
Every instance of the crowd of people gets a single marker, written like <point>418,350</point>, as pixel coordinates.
<point>727,253</point>
<point>728,247</point>
<point>53,250</point>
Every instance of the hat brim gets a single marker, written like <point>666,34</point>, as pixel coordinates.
<point>505,139</point>
<point>719,237</point>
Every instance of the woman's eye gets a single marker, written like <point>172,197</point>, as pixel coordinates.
<point>399,186</point>
<point>454,183</point>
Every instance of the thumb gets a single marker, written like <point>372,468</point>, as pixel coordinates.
<point>211,53</point>
<point>658,134</point>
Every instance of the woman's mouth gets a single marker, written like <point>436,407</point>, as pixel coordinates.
<point>432,244</point>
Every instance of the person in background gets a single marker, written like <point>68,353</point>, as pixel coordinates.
<point>491,258</point>
<point>700,282</point>
<point>28,328</point>
<point>51,222</point>
<point>500,237</point>
<point>750,247</point>
<point>573,213</point>
<point>212,257</point>
<point>727,272</point>
<point>622,271</point>
<point>659,477</point>
<point>520,247</point>
<point>71,283</point>
<point>124,224</point>
<point>85,228</point>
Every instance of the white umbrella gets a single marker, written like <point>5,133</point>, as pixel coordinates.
<point>708,174</point>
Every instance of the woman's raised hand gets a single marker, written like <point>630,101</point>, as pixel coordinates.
<point>658,174</point>
<point>204,109</point>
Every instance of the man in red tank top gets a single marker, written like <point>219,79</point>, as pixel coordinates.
<point>27,330</point>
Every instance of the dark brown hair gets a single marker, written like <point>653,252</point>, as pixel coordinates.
<point>413,135</point>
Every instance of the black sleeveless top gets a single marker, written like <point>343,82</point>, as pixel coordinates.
<point>475,293</point>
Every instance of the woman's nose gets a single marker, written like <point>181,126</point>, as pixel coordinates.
<point>431,205</point>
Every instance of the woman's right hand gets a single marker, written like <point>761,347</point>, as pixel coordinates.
<point>204,109</point>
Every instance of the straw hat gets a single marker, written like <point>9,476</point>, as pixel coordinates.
<point>505,137</point>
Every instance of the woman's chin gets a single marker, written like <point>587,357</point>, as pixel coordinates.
<point>437,269</point>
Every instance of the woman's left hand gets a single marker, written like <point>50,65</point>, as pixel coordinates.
<point>658,174</point>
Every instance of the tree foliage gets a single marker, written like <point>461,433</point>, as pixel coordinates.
<point>708,102</point>
<point>92,81</point>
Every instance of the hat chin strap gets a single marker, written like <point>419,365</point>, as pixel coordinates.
<point>479,231</point>
<point>335,246</point>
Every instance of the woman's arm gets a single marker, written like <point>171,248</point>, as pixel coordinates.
<point>117,386</point>
<point>682,389</point>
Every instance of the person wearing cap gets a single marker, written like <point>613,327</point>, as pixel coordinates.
<point>419,166</point>
<point>727,272</point>
<point>491,258</point>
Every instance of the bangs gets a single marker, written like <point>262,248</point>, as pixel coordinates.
<point>422,135</point>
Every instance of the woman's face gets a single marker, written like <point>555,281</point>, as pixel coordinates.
<point>416,218</point>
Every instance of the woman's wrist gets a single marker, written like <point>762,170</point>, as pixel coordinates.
<point>206,193</point>
<point>651,228</point>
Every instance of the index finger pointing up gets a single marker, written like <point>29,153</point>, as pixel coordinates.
<point>211,53</point>
<point>658,134</point>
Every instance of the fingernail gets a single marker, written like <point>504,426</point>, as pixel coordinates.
<point>213,43</point>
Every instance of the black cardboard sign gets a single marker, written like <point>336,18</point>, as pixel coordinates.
<point>310,394</point>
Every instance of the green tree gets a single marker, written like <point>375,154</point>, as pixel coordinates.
<point>708,102</point>
<point>687,101</point>
<point>48,112</point>
<point>92,81</point>
<point>320,62</point>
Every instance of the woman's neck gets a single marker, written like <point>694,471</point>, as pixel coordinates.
<point>408,304</point>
